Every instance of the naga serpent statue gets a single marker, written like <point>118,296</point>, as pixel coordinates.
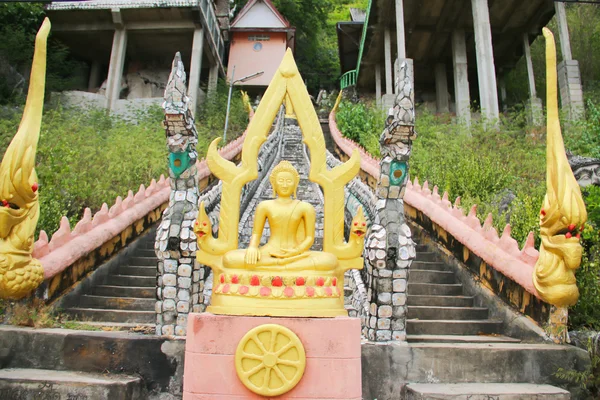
<point>20,274</point>
<point>563,213</point>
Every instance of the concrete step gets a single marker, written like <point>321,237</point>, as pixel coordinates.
<point>427,256</point>
<point>124,291</point>
<point>429,265</point>
<point>106,315</point>
<point>464,363</point>
<point>145,252</point>
<point>421,248</point>
<point>440,301</point>
<point>484,391</point>
<point>460,339</point>
<point>449,327</point>
<point>121,325</point>
<point>137,270</point>
<point>429,276</point>
<point>119,303</point>
<point>435,289</point>
<point>128,280</point>
<point>147,261</point>
<point>454,313</point>
<point>26,384</point>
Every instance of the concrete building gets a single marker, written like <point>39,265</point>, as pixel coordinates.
<point>129,46</point>
<point>460,48</point>
<point>260,35</point>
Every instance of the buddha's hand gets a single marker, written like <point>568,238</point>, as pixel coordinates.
<point>285,253</point>
<point>252,255</point>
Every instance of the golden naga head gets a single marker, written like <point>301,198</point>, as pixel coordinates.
<point>358,228</point>
<point>20,274</point>
<point>563,213</point>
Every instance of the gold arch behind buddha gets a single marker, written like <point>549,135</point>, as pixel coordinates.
<point>299,282</point>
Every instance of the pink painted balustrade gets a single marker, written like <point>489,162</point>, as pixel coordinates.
<point>67,246</point>
<point>500,252</point>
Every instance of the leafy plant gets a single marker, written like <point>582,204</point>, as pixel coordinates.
<point>588,380</point>
<point>361,123</point>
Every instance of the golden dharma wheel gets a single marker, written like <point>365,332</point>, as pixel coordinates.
<point>270,360</point>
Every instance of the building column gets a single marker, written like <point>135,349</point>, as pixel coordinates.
<point>563,31</point>
<point>378,84</point>
<point>195,68</point>
<point>441,89</point>
<point>486,70</point>
<point>569,75</point>
<point>400,33</point>
<point>462,95</point>
<point>115,69</point>
<point>388,62</point>
<point>213,77</point>
<point>94,81</point>
<point>536,115</point>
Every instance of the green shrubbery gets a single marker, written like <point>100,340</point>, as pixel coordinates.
<point>586,313</point>
<point>361,123</point>
<point>484,167</point>
<point>489,168</point>
<point>86,158</point>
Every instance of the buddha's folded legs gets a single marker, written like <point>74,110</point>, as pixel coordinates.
<point>310,261</point>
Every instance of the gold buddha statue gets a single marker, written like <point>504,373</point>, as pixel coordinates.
<point>292,225</point>
<point>283,277</point>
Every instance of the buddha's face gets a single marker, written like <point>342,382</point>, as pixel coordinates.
<point>285,184</point>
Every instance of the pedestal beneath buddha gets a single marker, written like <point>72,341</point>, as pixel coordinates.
<point>331,348</point>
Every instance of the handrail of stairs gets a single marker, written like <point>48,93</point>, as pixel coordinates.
<point>68,246</point>
<point>500,252</point>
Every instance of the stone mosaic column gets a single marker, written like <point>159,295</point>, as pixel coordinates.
<point>180,277</point>
<point>390,248</point>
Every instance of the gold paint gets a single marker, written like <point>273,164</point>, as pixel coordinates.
<point>287,254</point>
<point>20,274</point>
<point>554,273</point>
<point>526,301</point>
<point>126,235</point>
<point>466,253</point>
<point>289,108</point>
<point>246,102</point>
<point>270,360</point>
<point>139,226</point>
<point>485,275</point>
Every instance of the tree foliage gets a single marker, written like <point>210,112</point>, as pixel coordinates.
<point>19,25</point>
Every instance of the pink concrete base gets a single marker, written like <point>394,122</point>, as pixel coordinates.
<point>332,346</point>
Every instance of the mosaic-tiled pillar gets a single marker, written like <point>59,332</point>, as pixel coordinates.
<point>180,277</point>
<point>390,248</point>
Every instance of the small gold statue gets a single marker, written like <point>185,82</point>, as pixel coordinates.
<point>292,225</point>
<point>283,277</point>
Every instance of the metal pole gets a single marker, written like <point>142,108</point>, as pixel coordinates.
<point>228,105</point>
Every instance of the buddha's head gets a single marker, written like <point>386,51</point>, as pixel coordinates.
<point>284,179</point>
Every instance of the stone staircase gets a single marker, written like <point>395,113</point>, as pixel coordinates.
<point>456,351</point>
<point>21,383</point>
<point>125,295</point>
<point>438,309</point>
